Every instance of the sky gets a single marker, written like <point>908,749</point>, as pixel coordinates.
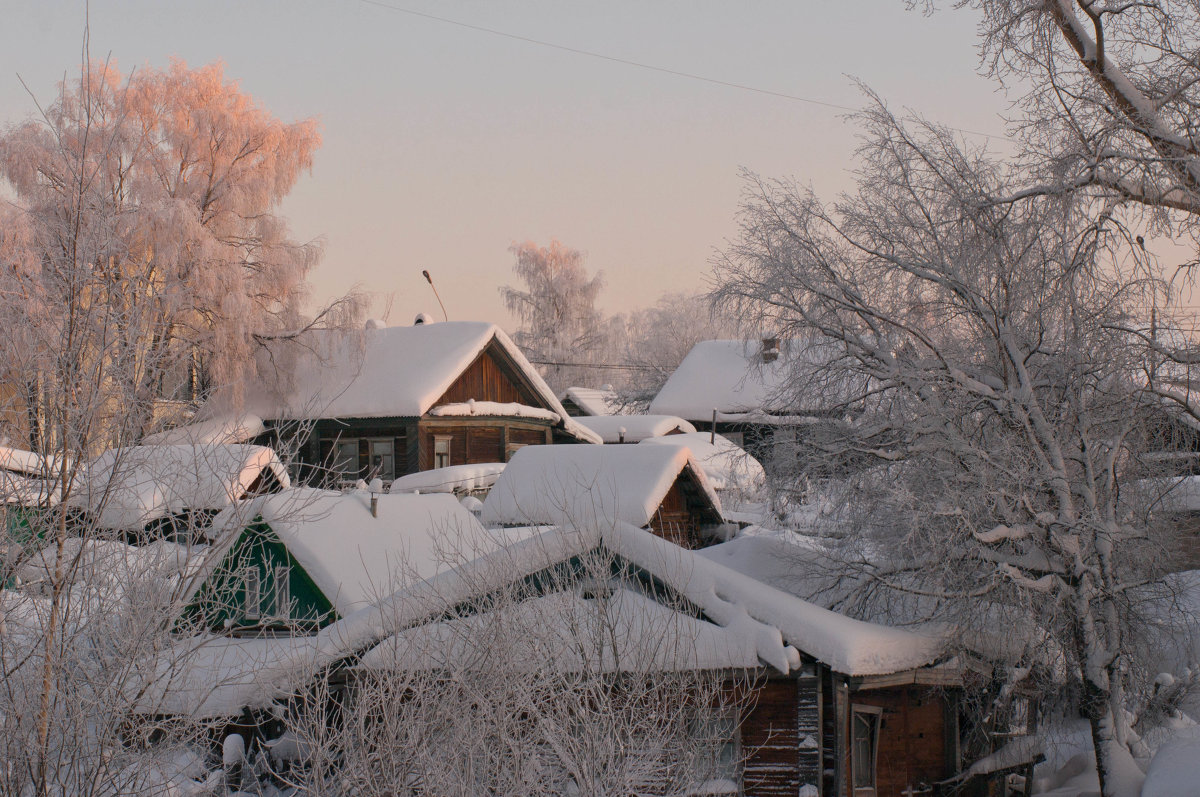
<point>443,144</point>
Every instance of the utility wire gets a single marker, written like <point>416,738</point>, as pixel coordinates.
<point>617,366</point>
<point>638,64</point>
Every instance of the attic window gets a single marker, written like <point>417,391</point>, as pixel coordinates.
<point>770,349</point>
<point>594,588</point>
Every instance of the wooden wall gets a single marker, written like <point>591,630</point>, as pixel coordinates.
<point>912,747</point>
<point>491,378</point>
<point>771,738</point>
<point>476,440</point>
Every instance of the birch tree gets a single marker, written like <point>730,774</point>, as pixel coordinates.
<point>142,233</point>
<point>999,400</point>
<point>176,177</point>
<point>557,309</point>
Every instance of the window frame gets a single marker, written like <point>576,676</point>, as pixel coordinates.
<point>438,441</point>
<point>355,471</point>
<point>390,442</point>
<point>252,610</point>
<point>875,715</point>
<point>283,592</point>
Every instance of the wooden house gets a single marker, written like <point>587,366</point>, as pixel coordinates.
<point>660,488</point>
<point>408,399</point>
<point>746,390</point>
<point>301,559</point>
<point>839,708</point>
<point>625,429</point>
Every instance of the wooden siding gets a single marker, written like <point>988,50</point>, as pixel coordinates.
<point>912,745</point>
<point>674,520</point>
<point>683,513</point>
<point>492,377</point>
<point>771,741</point>
<point>475,440</point>
<point>220,603</point>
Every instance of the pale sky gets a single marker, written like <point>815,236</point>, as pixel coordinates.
<point>443,145</point>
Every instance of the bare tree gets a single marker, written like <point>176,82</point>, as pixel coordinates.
<point>557,309</point>
<point>578,681</point>
<point>999,401</point>
<point>654,340</point>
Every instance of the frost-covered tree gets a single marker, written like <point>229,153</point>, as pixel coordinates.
<point>999,400</point>
<point>160,190</point>
<point>142,244</point>
<point>1113,100</point>
<point>567,683</point>
<point>556,309</point>
<point>654,340</point>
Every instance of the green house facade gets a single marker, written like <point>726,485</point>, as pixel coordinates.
<point>296,561</point>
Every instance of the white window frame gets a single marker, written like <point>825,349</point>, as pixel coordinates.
<point>283,592</point>
<point>252,588</point>
<point>438,441</point>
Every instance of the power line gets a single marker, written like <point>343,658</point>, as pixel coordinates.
<point>639,64</point>
<point>615,366</point>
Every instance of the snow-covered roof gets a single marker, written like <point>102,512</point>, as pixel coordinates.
<point>26,463</point>
<point>777,625</point>
<point>126,488</point>
<point>588,485</point>
<point>730,376</point>
<point>624,631</point>
<point>355,558</point>
<point>220,430</point>
<point>453,478</point>
<point>110,563</point>
<point>593,401</point>
<point>389,372</point>
<point>725,463</point>
<point>634,428</point>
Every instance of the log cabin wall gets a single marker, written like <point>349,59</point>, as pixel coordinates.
<point>475,440</point>
<point>912,744</point>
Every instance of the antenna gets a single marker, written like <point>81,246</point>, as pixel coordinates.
<point>429,279</point>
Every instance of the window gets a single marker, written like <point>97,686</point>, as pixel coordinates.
<point>718,763</point>
<point>381,459</point>
<point>864,748</point>
<point>441,452</point>
<point>253,598</point>
<point>283,593</point>
<point>345,459</point>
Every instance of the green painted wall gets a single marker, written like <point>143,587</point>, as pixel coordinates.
<point>221,602</point>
